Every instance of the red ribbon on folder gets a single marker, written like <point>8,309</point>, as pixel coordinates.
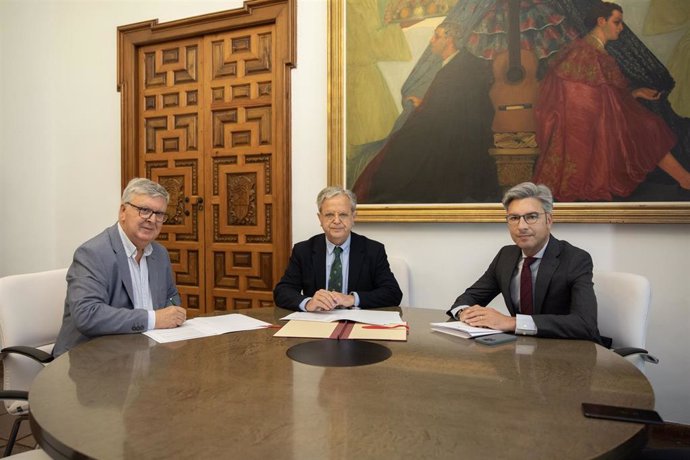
<point>342,330</point>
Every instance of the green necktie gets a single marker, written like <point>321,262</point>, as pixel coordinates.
<point>335,279</point>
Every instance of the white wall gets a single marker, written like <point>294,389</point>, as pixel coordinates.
<point>60,170</point>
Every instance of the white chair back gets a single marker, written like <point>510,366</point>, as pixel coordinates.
<point>35,454</point>
<point>31,310</point>
<point>402,275</point>
<point>623,304</point>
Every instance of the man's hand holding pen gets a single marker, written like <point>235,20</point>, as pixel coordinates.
<point>169,317</point>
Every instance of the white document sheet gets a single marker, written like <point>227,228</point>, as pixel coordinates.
<point>359,316</point>
<point>222,324</point>
<point>206,326</point>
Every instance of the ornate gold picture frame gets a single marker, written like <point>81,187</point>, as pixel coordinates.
<point>600,212</point>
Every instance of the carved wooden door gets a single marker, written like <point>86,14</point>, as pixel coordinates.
<point>211,124</point>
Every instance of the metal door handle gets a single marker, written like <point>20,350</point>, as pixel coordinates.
<point>195,200</point>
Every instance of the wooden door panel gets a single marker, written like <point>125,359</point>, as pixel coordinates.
<point>171,154</point>
<point>241,186</point>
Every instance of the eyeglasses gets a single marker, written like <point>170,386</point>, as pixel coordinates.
<point>330,216</point>
<point>530,218</point>
<point>146,213</point>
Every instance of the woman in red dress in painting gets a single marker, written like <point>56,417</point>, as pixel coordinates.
<point>597,141</point>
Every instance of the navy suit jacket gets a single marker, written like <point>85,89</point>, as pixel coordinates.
<point>369,274</point>
<point>99,291</point>
<point>564,302</point>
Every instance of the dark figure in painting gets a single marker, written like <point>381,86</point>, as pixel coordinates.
<point>440,154</point>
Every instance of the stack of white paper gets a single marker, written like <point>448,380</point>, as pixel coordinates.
<point>360,316</point>
<point>207,326</point>
<point>462,329</point>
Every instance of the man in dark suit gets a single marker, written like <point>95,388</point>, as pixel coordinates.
<point>440,154</point>
<point>554,296</point>
<point>121,281</point>
<point>337,269</point>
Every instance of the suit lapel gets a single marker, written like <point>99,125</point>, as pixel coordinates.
<point>318,257</point>
<point>547,267</point>
<point>356,261</point>
<point>506,276</point>
<point>122,263</point>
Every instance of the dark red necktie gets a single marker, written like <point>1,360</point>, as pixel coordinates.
<point>526,307</point>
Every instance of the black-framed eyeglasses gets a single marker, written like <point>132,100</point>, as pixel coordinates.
<point>146,213</point>
<point>530,218</point>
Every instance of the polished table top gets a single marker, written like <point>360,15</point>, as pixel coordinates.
<point>238,395</point>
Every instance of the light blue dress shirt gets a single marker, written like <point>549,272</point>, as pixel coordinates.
<point>139,273</point>
<point>344,260</point>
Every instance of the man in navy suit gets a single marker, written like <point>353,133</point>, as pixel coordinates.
<point>555,298</point>
<point>339,268</point>
<point>121,280</point>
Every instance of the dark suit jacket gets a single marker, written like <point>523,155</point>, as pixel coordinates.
<point>369,274</point>
<point>439,154</point>
<point>564,301</point>
<point>99,291</point>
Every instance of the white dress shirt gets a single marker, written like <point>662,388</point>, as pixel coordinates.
<point>139,273</point>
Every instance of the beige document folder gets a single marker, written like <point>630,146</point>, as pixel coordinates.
<point>343,330</point>
<point>307,329</point>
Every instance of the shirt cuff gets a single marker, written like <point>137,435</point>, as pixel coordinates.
<point>303,304</point>
<point>356,296</point>
<point>524,325</point>
<point>456,311</point>
<point>152,320</point>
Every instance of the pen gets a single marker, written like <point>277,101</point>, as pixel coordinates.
<point>171,301</point>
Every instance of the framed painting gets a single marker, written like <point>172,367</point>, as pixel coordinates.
<point>431,111</point>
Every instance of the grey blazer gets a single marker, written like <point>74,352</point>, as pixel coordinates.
<point>99,291</point>
<point>564,302</point>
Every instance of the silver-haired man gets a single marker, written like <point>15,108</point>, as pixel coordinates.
<point>121,280</point>
<point>339,268</point>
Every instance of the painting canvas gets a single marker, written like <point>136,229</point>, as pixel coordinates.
<point>425,131</point>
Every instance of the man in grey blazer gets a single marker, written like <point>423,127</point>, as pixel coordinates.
<point>338,268</point>
<point>121,280</point>
<point>555,298</point>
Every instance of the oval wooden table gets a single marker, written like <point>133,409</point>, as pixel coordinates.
<point>239,396</point>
